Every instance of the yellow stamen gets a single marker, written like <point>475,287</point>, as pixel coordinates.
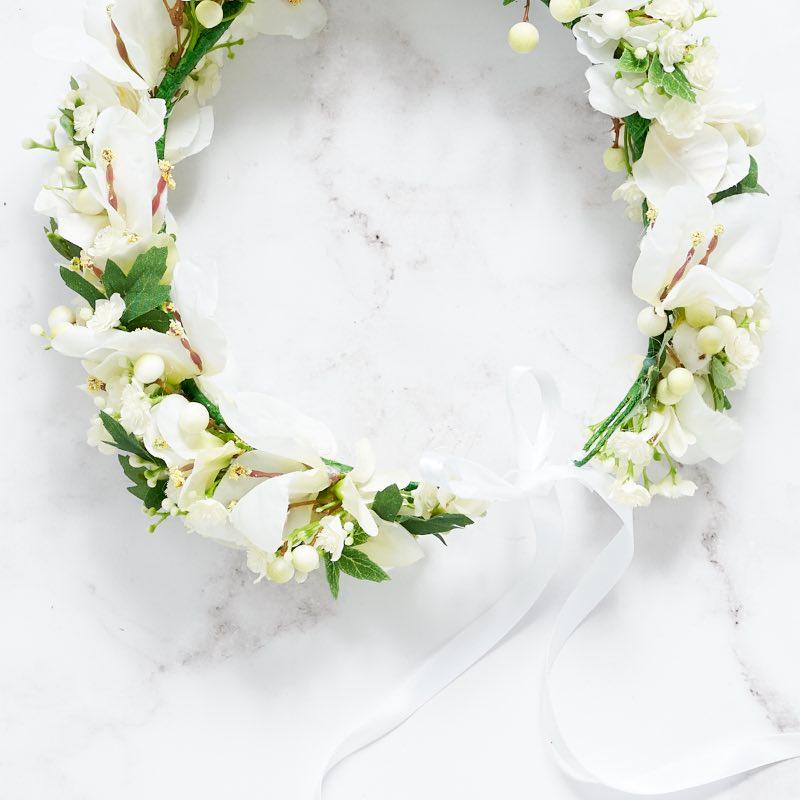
<point>107,154</point>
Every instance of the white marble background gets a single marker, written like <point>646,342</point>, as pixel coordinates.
<point>403,209</point>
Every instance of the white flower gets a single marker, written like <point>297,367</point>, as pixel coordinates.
<point>452,504</point>
<point>393,547</point>
<point>684,343</point>
<point>716,434</point>
<point>741,350</point>
<point>331,537</point>
<point>97,436</point>
<point>107,314</point>
<point>206,81</point>
<point>134,412</point>
<point>633,447</point>
<point>672,434</point>
<point>673,12</point>
<point>426,499</point>
<point>672,48</point>
<point>631,194</point>
<point>280,17</point>
<point>681,118</point>
<point>84,118</point>
<point>701,70</point>
<point>696,251</point>
<point>206,517</point>
<point>673,487</point>
<point>630,493</point>
<point>592,41</point>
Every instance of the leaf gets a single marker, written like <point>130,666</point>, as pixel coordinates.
<point>359,536</point>
<point>114,280</point>
<point>342,468</point>
<point>73,84</point>
<point>674,84</point>
<point>140,302</point>
<point>441,523</point>
<point>151,496</point>
<point>81,286</point>
<point>124,440</point>
<point>64,248</point>
<point>67,122</point>
<point>748,185</point>
<point>636,130</point>
<point>332,573</point>
<point>629,63</point>
<point>720,375</point>
<point>135,474</point>
<point>508,2</point>
<point>360,566</point>
<point>156,320</point>
<point>387,503</point>
<point>149,268</point>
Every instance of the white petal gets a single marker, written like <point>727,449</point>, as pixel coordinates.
<point>394,546</point>
<point>194,292</point>
<point>279,17</point>
<point>738,158</point>
<point>260,515</point>
<point>718,435</point>
<point>354,504</point>
<point>364,462</point>
<point>266,423</point>
<point>149,37</point>
<point>80,229</point>
<point>190,129</point>
<point>749,241</point>
<point>703,283</point>
<point>668,162</point>
<point>602,97</point>
<point>206,467</point>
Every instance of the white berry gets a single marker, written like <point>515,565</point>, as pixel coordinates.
<point>305,558</point>
<point>60,315</point>
<point>615,24</point>
<point>664,394</point>
<point>650,322</point>
<point>710,340</point>
<point>193,419</point>
<point>209,13</point>
<point>565,10</point>
<point>148,368</point>
<point>640,53</point>
<point>37,329</point>
<point>726,324</point>
<point>280,571</point>
<point>523,37</point>
<point>614,159</point>
<point>701,314</point>
<point>680,381</point>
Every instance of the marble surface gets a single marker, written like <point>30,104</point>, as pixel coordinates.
<point>404,209</point>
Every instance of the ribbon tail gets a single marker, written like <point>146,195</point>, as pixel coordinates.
<point>700,769</point>
<point>465,649</point>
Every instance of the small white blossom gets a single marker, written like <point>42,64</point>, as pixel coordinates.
<point>135,407</point>
<point>630,493</point>
<point>633,447</point>
<point>331,537</point>
<point>206,516</point>
<point>741,350</point>
<point>673,487</point>
<point>673,12</point>
<point>672,48</point>
<point>84,119</point>
<point>681,118</point>
<point>701,70</point>
<point>107,314</point>
<point>97,436</point>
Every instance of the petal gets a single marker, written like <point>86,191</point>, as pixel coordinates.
<point>206,468</point>
<point>718,435</point>
<point>698,161</point>
<point>231,489</point>
<point>703,283</point>
<point>190,129</point>
<point>602,97</point>
<point>145,28</point>
<point>394,546</point>
<point>194,292</point>
<point>266,423</point>
<point>281,18</point>
<point>749,240</point>
<point>364,462</point>
<point>260,515</point>
<point>738,158</point>
<point>354,504</point>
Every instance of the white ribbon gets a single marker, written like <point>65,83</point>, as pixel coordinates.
<point>534,482</point>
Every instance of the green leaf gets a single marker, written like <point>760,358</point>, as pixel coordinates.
<point>674,84</point>
<point>332,573</point>
<point>64,248</point>
<point>360,566</point>
<point>151,497</point>
<point>81,286</point>
<point>124,440</point>
<point>508,2</point>
<point>339,467</point>
<point>156,320</point>
<point>748,185</point>
<point>629,63</point>
<point>387,503</point>
<point>67,122</point>
<point>73,84</point>
<point>149,268</point>
<point>135,474</point>
<point>359,536</point>
<point>114,280</point>
<point>441,523</point>
<point>719,373</point>
<point>141,302</point>
<point>636,130</point>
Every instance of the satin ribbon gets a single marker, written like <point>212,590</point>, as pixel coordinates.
<point>534,482</point>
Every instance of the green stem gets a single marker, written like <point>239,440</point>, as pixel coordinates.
<point>175,76</point>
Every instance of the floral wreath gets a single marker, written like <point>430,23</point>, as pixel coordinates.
<point>254,473</point>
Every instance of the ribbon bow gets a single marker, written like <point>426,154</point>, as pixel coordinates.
<point>534,481</point>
